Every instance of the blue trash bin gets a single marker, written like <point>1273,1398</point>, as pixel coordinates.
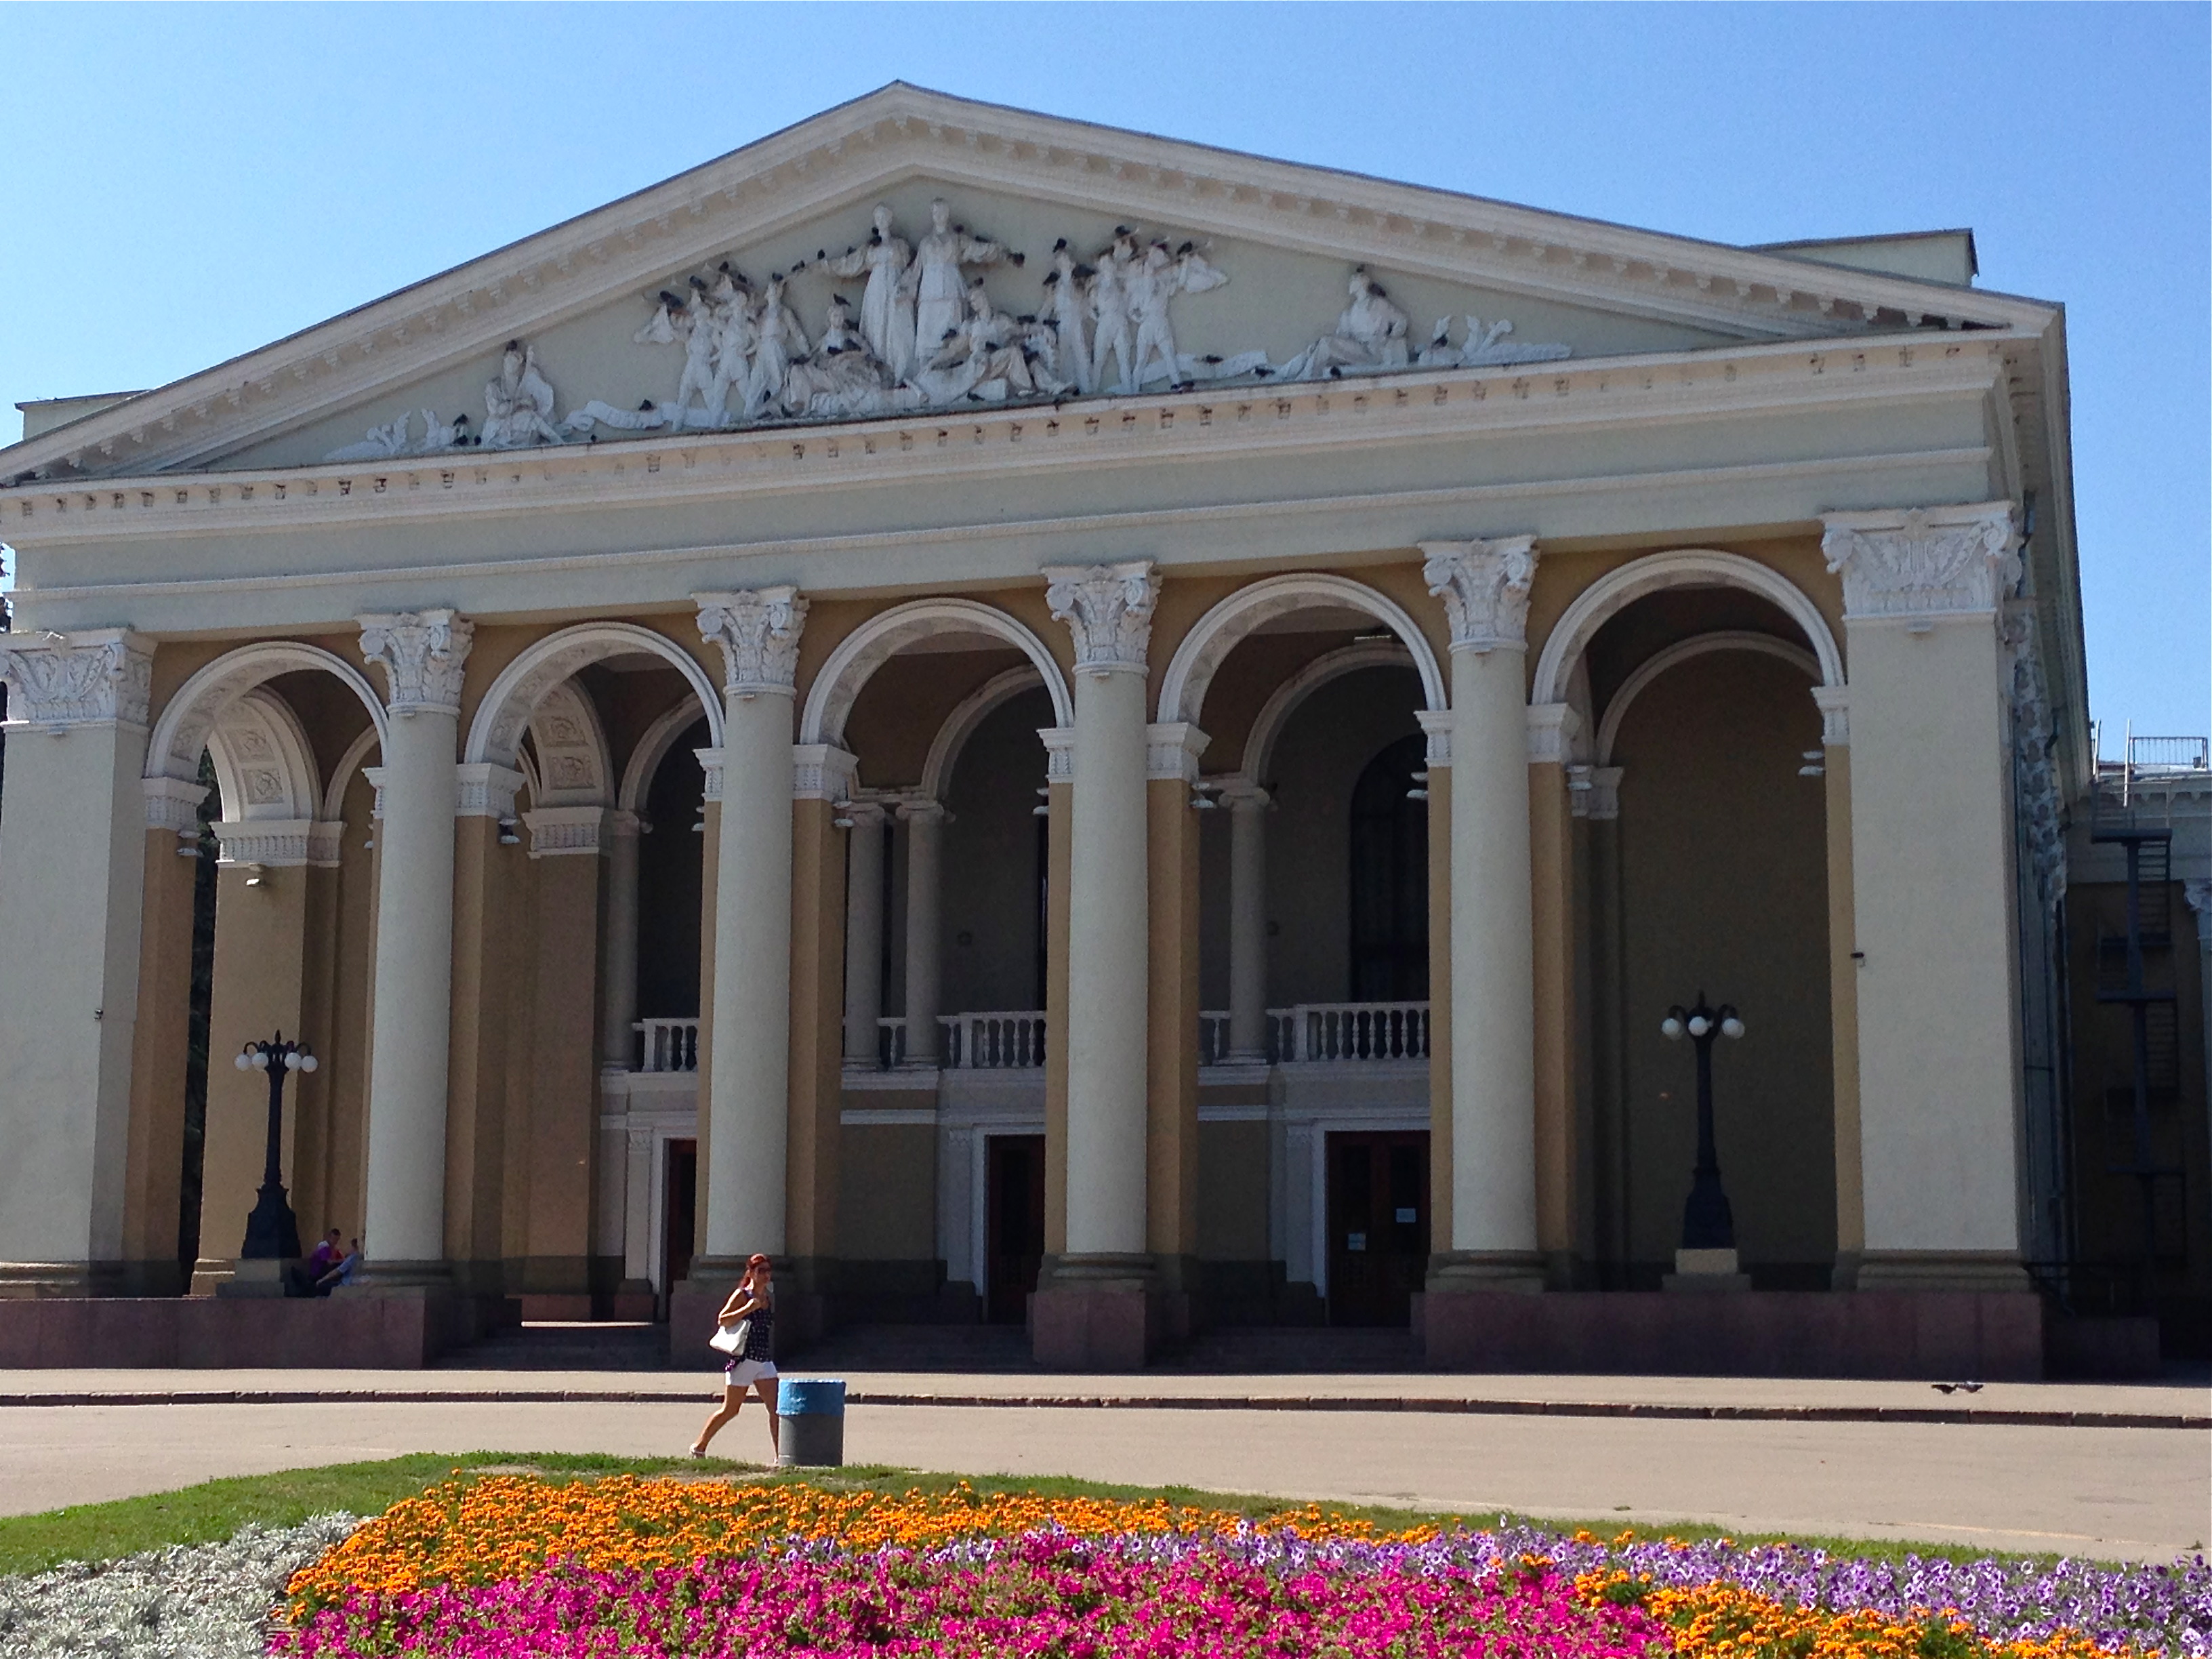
<point>812,1433</point>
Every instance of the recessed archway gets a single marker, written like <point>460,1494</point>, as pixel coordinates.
<point>875,641</point>
<point>1190,672</point>
<point>1283,702</point>
<point>1616,590</point>
<point>183,730</point>
<point>960,725</point>
<point>1683,651</point>
<point>495,735</point>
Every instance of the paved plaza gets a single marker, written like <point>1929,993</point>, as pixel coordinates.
<point>1803,1458</point>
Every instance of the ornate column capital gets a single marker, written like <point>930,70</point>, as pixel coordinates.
<point>423,653</point>
<point>1485,588</point>
<point>487,791</point>
<point>757,629</point>
<point>58,682</point>
<point>174,804</point>
<point>568,831</point>
<point>1240,794</point>
<point>1172,749</point>
<point>1925,562</point>
<point>921,809</point>
<point>1834,703</point>
<point>1108,608</point>
<point>823,771</point>
<point>1552,730</point>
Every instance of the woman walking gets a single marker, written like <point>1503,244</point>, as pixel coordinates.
<point>753,1366</point>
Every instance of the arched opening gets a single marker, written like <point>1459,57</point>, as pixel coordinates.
<point>1388,924</point>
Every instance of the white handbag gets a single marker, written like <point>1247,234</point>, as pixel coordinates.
<point>730,1338</point>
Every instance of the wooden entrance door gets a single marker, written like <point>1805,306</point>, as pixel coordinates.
<point>1015,1225</point>
<point>679,1213</point>
<point>1378,1226</point>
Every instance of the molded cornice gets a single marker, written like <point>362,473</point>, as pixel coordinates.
<point>838,158</point>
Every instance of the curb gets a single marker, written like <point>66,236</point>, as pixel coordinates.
<point>1416,1404</point>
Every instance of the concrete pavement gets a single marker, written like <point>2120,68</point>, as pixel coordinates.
<point>2112,1492</point>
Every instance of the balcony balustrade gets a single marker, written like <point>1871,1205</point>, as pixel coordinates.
<point>669,1045</point>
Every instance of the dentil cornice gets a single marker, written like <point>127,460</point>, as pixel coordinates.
<point>423,653</point>
<point>57,683</point>
<point>1928,561</point>
<point>1108,609</point>
<point>1485,588</point>
<point>758,630</point>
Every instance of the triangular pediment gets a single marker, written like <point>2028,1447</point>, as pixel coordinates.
<point>1257,267</point>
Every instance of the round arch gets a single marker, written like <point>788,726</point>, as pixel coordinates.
<point>880,638</point>
<point>182,732</point>
<point>1617,590</point>
<point>495,735</point>
<point>356,756</point>
<point>653,749</point>
<point>1283,702</point>
<point>1191,670</point>
<point>265,767</point>
<point>1682,651</point>
<point>960,725</point>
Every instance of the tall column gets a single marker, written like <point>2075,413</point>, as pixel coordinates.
<point>619,972</point>
<point>925,825</point>
<point>1493,1241</point>
<point>864,933</point>
<point>422,654</point>
<point>1553,934</point>
<point>1248,806</point>
<point>1093,1309</point>
<point>749,1062</point>
<point>1933,893</point>
<point>72,873</point>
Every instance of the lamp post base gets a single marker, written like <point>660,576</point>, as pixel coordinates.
<point>1713,1270</point>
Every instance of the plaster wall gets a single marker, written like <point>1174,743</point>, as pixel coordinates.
<point>887,1185</point>
<point>1232,1191</point>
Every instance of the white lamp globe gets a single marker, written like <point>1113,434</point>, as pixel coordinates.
<point>245,1060</point>
<point>1671,1029</point>
<point>260,1061</point>
<point>308,1062</point>
<point>1699,1025</point>
<point>1731,1028</point>
<point>292,1062</point>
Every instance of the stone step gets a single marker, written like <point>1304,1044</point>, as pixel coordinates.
<point>563,1346</point>
<point>1263,1349</point>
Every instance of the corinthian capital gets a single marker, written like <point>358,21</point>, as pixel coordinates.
<point>1927,562</point>
<point>1108,608</point>
<point>97,677</point>
<point>421,653</point>
<point>758,630</point>
<point>1485,588</point>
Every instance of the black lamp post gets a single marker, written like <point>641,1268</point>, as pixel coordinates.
<point>272,1232</point>
<point>1707,1222</point>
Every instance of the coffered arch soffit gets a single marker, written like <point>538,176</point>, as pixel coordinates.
<point>876,641</point>
<point>574,766</point>
<point>1023,179</point>
<point>511,703</point>
<point>191,715</point>
<point>1617,590</point>
<point>1190,672</point>
<point>265,767</point>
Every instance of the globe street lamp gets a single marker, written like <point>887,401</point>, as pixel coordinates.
<point>1707,1222</point>
<point>272,1232</point>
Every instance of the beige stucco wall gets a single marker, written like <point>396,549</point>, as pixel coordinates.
<point>1232,1192</point>
<point>887,1190</point>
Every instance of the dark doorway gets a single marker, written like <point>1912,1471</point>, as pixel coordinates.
<point>1390,877</point>
<point>679,1211</point>
<point>1378,1226</point>
<point>1015,1224</point>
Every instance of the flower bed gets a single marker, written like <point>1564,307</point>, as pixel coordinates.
<point>504,1568</point>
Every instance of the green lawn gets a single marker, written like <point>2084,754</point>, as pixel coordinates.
<point>214,1509</point>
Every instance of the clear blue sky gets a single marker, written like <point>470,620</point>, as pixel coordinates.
<point>183,184</point>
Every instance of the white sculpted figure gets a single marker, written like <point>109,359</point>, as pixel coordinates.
<point>983,358</point>
<point>1484,347</point>
<point>1066,306</point>
<point>886,307</point>
<point>518,403</point>
<point>843,378</point>
<point>935,282</point>
<point>694,324</point>
<point>730,315</point>
<point>1154,286</point>
<point>1371,333</point>
<point>1109,309</point>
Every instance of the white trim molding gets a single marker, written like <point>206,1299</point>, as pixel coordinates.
<point>487,791</point>
<point>568,831</point>
<point>172,804</point>
<point>1553,729</point>
<point>1190,672</point>
<point>823,771</point>
<point>1171,750</point>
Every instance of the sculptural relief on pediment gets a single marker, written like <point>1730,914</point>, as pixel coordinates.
<point>940,298</point>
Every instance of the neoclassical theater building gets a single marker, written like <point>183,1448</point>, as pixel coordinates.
<point>1053,725</point>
